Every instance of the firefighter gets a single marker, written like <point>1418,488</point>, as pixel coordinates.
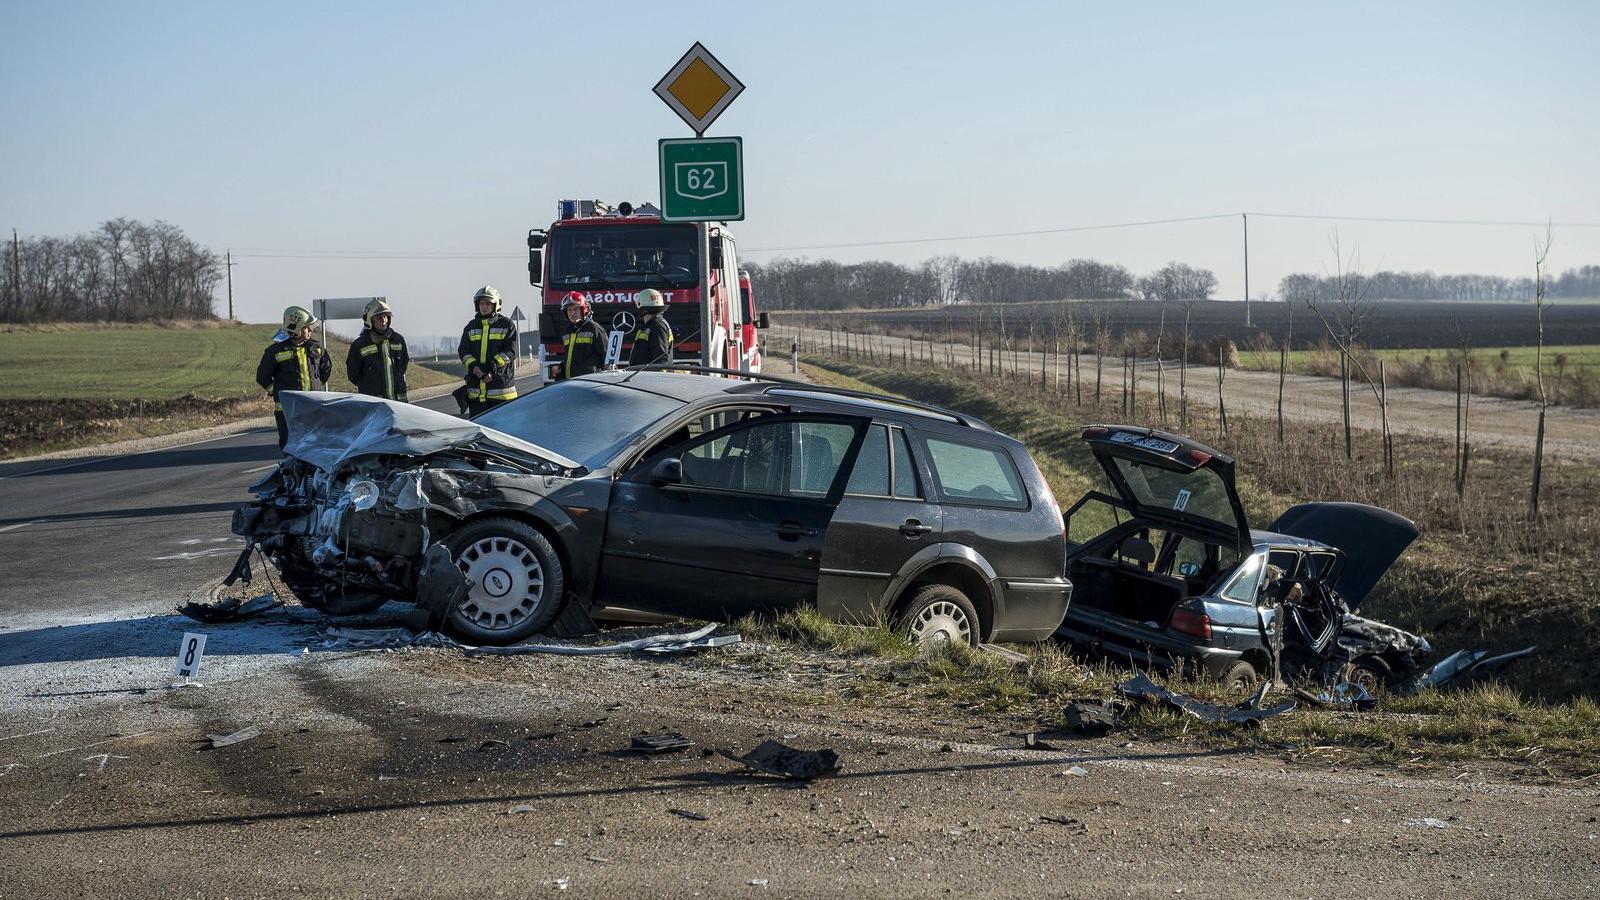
<point>585,340</point>
<point>652,343</point>
<point>378,358</point>
<point>296,363</point>
<point>488,350</point>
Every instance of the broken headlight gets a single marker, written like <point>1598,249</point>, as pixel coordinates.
<point>362,494</point>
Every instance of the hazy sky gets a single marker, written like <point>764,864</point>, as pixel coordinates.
<point>440,128</point>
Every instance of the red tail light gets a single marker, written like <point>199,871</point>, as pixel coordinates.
<point>1199,457</point>
<point>1096,431</point>
<point>1187,621</point>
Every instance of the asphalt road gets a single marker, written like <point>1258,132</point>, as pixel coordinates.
<point>82,537</point>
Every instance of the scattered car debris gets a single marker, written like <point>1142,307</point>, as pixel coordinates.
<point>230,610</point>
<point>1075,772</point>
<point>689,814</point>
<point>659,640</point>
<point>519,809</point>
<point>1343,695</point>
<point>238,737</point>
<point>1032,741</point>
<point>758,882</point>
<point>709,643</point>
<point>665,742</point>
<point>1005,653</point>
<point>774,758</point>
<point>1463,666</point>
<point>1428,822</point>
<point>1141,688</point>
<point>1092,716</point>
<point>1074,826</point>
<point>492,744</point>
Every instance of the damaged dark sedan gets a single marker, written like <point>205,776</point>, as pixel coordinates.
<point>1168,572</point>
<point>665,492</point>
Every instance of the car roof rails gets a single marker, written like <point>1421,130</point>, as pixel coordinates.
<point>776,380</point>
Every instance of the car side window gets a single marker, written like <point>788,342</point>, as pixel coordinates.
<point>870,477</point>
<point>781,457</point>
<point>1242,586</point>
<point>905,468</point>
<point>975,474</point>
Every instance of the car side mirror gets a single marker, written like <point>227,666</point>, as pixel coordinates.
<point>764,321</point>
<point>666,471</point>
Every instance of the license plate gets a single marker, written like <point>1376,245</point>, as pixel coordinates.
<point>1156,444</point>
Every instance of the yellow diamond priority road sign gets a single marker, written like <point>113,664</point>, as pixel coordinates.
<point>698,88</point>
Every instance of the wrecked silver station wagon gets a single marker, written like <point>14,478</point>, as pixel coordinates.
<point>1168,572</point>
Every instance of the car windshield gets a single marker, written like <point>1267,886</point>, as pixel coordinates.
<point>1201,493</point>
<point>587,421</point>
<point>626,256</point>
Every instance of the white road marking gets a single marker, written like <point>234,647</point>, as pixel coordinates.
<point>120,737</point>
<point>15,527</point>
<point>29,734</point>
<point>271,465</point>
<point>197,554</point>
<point>104,758</point>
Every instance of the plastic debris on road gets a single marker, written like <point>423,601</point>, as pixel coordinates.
<point>230,610</point>
<point>665,742</point>
<point>1249,713</point>
<point>238,737</point>
<point>661,643</point>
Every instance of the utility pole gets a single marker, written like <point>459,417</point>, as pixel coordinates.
<point>16,270</point>
<point>231,285</point>
<point>1246,218</point>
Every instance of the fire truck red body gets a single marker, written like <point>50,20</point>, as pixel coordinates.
<point>611,255</point>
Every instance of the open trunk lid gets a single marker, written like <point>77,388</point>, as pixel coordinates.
<point>1169,478</point>
<point>328,429</point>
<point>1370,537</point>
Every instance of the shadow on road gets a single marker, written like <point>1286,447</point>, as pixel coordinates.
<point>143,512</point>
<point>178,457</point>
<point>648,785</point>
<point>146,637</point>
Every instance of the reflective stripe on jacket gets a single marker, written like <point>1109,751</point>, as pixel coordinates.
<point>490,344</point>
<point>287,366</point>
<point>377,366</point>
<point>586,349</point>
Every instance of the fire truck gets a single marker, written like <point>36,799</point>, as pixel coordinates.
<point>609,254</point>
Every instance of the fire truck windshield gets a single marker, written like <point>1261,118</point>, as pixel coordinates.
<point>623,256</point>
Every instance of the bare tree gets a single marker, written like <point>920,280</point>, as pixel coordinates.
<point>1183,373</point>
<point>1283,365</point>
<point>1352,313</point>
<point>1541,251</point>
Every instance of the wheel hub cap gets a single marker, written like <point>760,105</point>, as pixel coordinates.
<point>507,583</point>
<point>941,623</point>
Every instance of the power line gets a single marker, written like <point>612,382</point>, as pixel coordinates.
<point>1495,222</point>
<point>998,234</point>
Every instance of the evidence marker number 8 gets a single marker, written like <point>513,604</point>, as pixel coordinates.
<point>190,653</point>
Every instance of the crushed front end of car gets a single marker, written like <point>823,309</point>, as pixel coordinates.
<point>357,512</point>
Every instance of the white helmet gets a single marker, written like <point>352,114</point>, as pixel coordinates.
<point>375,307</point>
<point>649,299</point>
<point>487,292</point>
<point>298,317</point>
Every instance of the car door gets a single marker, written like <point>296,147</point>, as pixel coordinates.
<point>740,529</point>
<point>884,518</point>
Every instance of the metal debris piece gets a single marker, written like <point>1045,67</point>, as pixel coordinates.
<point>1140,687</point>
<point>1428,822</point>
<point>1346,695</point>
<point>665,742</point>
<point>1075,772</point>
<point>519,809</point>
<point>590,650</point>
<point>710,643</point>
<point>777,759</point>
<point>230,610</point>
<point>1005,653</point>
<point>1074,826</point>
<point>1463,666</point>
<point>238,737</point>
<point>1092,716</point>
<point>688,814</point>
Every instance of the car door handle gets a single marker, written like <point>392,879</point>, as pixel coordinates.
<point>912,528</point>
<point>794,530</point>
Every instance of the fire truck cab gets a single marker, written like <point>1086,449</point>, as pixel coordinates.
<point>610,254</point>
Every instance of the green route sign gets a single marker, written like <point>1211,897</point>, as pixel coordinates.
<point>702,179</point>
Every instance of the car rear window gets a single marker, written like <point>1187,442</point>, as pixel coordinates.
<point>972,473</point>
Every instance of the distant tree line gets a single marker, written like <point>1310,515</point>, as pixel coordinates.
<point>943,280</point>
<point>1572,284</point>
<point>124,271</point>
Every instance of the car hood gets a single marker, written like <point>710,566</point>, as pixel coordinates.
<point>329,429</point>
<point>1370,537</point>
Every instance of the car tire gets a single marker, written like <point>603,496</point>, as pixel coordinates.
<point>1240,678</point>
<point>1369,673</point>
<point>517,582</point>
<point>939,615</point>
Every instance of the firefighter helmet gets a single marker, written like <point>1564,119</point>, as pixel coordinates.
<point>575,299</point>
<point>375,307</point>
<point>650,299</point>
<point>298,317</point>
<point>487,292</point>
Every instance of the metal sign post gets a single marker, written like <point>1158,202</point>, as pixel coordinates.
<point>339,308</point>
